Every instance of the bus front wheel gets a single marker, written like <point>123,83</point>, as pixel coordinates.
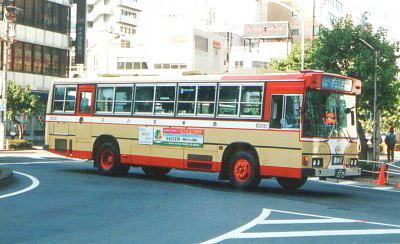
<point>244,172</point>
<point>155,171</point>
<point>108,161</point>
<point>291,183</point>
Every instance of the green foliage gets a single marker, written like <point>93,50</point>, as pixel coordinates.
<point>20,144</point>
<point>21,102</point>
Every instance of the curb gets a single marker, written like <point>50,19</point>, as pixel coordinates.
<point>6,177</point>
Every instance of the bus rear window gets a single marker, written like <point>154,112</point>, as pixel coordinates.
<point>64,99</point>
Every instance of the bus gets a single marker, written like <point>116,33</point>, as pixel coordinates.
<point>290,126</point>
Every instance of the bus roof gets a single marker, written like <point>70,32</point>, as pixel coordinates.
<point>294,76</point>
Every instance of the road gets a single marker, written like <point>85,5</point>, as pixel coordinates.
<point>55,200</point>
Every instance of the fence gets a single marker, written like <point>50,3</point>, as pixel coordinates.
<point>372,169</point>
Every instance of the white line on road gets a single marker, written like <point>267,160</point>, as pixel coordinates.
<point>48,162</point>
<point>35,183</point>
<point>240,233</point>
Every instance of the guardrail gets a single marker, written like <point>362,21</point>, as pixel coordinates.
<point>392,171</point>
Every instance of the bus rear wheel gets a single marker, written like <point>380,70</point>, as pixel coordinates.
<point>244,171</point>
<point>155,171</point>
<point>291,183</point>
<point>108,162</point>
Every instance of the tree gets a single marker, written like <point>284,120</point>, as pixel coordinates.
<point>339,50</point>
<point>21,102</point>
<point>293,59</point>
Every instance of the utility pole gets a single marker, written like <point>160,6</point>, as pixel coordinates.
<point>9,14</point>
<point>376,137</point>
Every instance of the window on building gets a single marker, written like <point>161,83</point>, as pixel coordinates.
<point>56,18</point>
<point>295,32</point>
<point>201,43</point>
<point>38,16</point>
<point>64,19</point>
<point>48,18</point>
<point>18,56</point>
<point>55,62</point>
<point>64,57</point>
<point>37,64</point>
<point>28,58</point>
<point>20,14</point>
<point>238,64</point>
<point>47,61</point>
<point>29,16</point>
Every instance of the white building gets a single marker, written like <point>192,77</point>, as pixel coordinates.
<point>171,37</point>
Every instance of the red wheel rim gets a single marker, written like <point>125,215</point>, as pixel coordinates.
<point>242,170</point>
<point>107,159</point>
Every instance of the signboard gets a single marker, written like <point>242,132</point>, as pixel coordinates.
<point>336,83</point>
<point>266,30</point>
<point>80,42</point>
<point>184,137</point>
<point>146,135</point>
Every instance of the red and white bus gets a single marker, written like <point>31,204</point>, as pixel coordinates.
<point>245,127</point>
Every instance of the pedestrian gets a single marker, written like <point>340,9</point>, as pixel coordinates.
<point>390,141</point>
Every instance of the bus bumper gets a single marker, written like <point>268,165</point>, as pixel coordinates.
<point>337,173</point>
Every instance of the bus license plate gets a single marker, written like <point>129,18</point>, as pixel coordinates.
<point>340,173</point>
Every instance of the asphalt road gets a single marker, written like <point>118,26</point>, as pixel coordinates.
<point>62,201</point>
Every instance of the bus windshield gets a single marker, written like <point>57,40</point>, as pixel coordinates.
<point>329,114</point>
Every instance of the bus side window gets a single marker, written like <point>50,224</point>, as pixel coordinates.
<point>276,112</point>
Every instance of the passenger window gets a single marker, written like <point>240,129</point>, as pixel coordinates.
<point>104,99</point>
<point>144,97</point>
<point>285,111</point>
<point>165,100</point>
<point>205,100</point>
<point>228,100</point>
<point>186,100</point>
<point>64,99</point>
<point>251,100</point>
<point>123,100</point>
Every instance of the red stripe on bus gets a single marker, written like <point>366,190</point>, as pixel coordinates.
<point>176,163</point>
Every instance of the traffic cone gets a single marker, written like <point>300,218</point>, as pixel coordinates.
<point>381,178</point>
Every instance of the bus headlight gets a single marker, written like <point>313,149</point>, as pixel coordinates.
<point>317,162</point>
<point>353,162</point>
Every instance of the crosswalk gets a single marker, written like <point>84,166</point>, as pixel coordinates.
<point>293,225</point>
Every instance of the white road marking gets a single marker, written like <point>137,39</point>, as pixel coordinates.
<point>48,162</point>
<point>240,233</point>
<point>35,183</point>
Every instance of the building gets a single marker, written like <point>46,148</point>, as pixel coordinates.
<point>40,49</point>
<point>110,27</point>
<point>164,40</point>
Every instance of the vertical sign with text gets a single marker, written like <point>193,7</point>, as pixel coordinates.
<point>80,42</point>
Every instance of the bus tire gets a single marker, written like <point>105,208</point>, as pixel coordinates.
<point>244,171</point>
<point>108,161</point>
<point>291,183</point>
<point>155,171</point>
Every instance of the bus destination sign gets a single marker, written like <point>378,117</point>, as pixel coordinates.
<point>336,83</point>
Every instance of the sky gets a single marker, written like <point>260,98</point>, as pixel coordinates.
<point>383,13</point>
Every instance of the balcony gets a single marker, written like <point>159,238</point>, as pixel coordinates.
<point>98,11</point>
<point>128,20</point>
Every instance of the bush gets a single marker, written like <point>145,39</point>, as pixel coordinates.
<point>20,144</point>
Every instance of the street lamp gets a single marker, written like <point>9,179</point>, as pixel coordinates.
<point>374,135</point>
<point>302,27</point>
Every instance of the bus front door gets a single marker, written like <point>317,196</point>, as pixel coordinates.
<point>85,109</point>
